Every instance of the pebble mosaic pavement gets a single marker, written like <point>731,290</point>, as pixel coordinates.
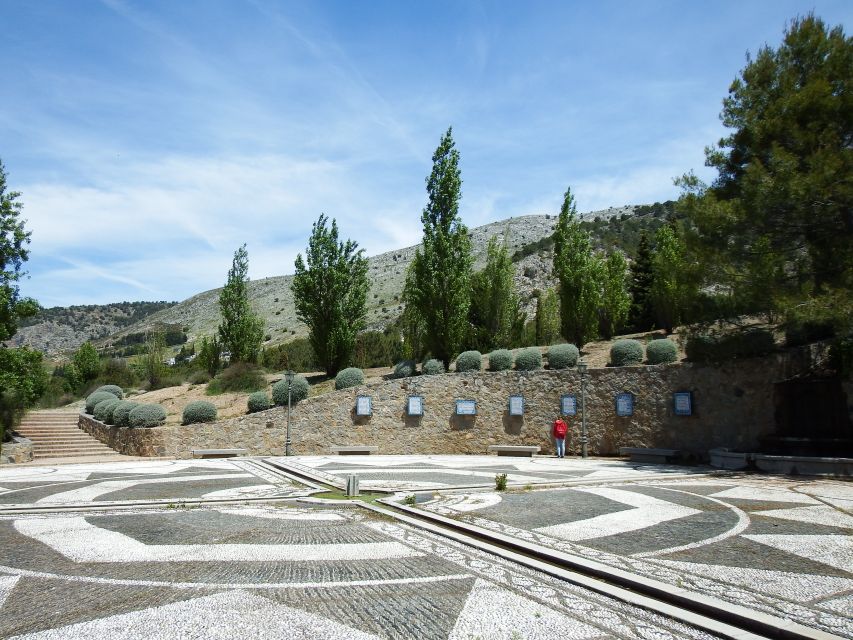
<point>257,570</point>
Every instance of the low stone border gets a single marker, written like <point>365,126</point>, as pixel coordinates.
<point>18,451</point>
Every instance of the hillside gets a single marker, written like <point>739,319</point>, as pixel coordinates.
<point>527,237</point>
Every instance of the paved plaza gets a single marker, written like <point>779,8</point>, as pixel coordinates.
<point>239,548</point>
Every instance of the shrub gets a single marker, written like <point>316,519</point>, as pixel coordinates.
<point>500,360</point>
<point>95,398</point>
<point>500,482</point>
<point>199,377</point>
<point>562,356</point>
<point>800,333</point>
<point>103,411</point>
<point>350,377</point>
<point>298,391</point>
<point>258,401</point>
<point>121,412</point>
<point>626,352</point>
<point>240,376</point>
<point>661,351</point>
<point>199,411</point>
<point>404,369</point>
<point>528,359</point>
<point>719,348</point>
<point>433,367</point>
<point>469,361</point>
<point>113,389</point>
<point>147,415</point>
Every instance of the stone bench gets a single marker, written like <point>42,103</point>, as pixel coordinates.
<point>217,453</point>
<point>354,450</point>
<point>659,456</point>
<point>514,450</point>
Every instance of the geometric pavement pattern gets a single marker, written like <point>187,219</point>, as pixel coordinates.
<point>259,570</point>
<point>777,545</point>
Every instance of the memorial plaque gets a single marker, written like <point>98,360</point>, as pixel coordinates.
<point>683,401</point>
<point>363,406</point>
<point>516,405</point>
<point>624,404</point>
<point>569,404</point>
<point>466,407</point>
<point>415,406</point>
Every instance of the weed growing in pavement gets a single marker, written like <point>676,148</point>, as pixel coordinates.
<point>500,482</point>
<point>410,500</point>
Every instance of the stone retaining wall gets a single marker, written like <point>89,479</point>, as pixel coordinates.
<point>733,406</point>
<point>18,451</point>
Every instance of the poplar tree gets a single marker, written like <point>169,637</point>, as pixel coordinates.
<point>615,301</point>
<point>241,331</point>
<point>669,291</point>
<point>547,317</point>
<point>579,272</point>
<point>497,319</point>
<point>330,294</point>
<point>438,282</point>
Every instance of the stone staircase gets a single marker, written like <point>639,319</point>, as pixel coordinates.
<point>56,435</point>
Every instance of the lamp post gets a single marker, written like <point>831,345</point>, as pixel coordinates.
<point>288,375</point>
<point>584,436</point>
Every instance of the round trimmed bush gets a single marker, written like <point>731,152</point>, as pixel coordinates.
<point>469,361</point>
<point>562,356</point>
<point>258,401</point>
<point>121,413</point>
<point>432,367</point>
<point>199,411</point>
<point>404,369</point>
<point>744,344</point>
<point>147,415</point>
<point>350,377</point>
<point>103,411</point>
<point>626,352</point>
<point>95,398</point>
<point>528,359</point>
<point>113,389</point>
<point>661,351</point>
<point>298,391</point>
<point>500,360</point>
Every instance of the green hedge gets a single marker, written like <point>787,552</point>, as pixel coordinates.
<point>405,369</point>
<point>113,389</point>
<point>147,415</point>
<point>626,352</point>
<point>103,411</point>
<point>121,413</point>
<point>298,391</point>
<point>661,351</point>
<point>469,361</point>
<point>350,377</point>
<point>95,397</point>
<point>562,356</point>
<point>432,367</point>
<point>258,401</point>
<point>719,348</point>
<point>500,360</point>
<point>528,359</point>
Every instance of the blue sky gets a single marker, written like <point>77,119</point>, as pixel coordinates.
<point>150,139</point>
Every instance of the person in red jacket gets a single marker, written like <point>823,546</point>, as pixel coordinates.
<point>559,432</point>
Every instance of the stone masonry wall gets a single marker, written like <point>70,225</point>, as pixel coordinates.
<point>733,406</point>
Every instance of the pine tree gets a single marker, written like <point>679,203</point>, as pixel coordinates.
<point>641,316</point>
<point>579,273</point>
<point>330,295</point>
<point>615,301</point>
<point>438,282</point>
<point>496,316</point>
<point>241,331</point>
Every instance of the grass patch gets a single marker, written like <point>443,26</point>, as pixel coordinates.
<point>335,494</point>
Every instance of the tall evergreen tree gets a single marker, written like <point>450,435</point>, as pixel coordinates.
<point>547,317</point>
<point>330,294</point>
<point>438,282</point>
<point>615,301</point>
<point>641,316</point>
<point>497,318</point>
<point>579,272</point>
<point>241,331</point>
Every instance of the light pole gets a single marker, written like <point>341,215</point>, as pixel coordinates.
<point>584,437</point>
<point>288,375</point>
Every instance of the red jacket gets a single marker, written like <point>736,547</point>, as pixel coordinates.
<point>560,428</point>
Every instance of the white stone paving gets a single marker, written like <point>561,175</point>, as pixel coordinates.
<point>647,512</point>
<point>835,551</point>
<point>81,541</point>
<point>814,515</point>
<point>764,494</point>
<point>223,616</point>
<point>7,583</point>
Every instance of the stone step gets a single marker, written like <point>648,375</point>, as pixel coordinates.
<point>62,447</point>
<point>84,454</point>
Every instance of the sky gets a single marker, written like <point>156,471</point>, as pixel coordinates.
<point>150,139</point>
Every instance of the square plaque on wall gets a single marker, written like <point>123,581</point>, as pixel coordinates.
<point>415,406</point>
<point>363,406</point>
<point>624,404</point>
<point>466,407</point>
<point>683,403</point>
<point>568,404</point>
<point>516,405</point>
